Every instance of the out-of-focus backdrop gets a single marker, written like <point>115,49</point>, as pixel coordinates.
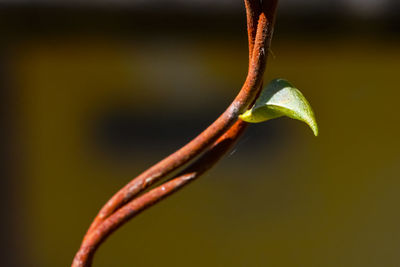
<point>94,92</point>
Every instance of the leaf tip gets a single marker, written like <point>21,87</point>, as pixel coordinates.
<point>314,126</point>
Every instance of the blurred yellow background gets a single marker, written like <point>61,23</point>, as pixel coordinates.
<point>91,104</point>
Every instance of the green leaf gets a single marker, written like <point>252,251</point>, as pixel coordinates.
<point>280,98</point>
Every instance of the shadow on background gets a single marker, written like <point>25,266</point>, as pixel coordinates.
<point>92,96</point>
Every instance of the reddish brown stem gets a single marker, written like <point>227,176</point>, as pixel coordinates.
<point>94,239</point>
<point>113,215</point>
<point>184,155</point>
<point>253,11</point>
<point>97,236</point>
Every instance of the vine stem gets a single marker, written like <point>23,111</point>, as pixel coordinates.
<point>215,141</point>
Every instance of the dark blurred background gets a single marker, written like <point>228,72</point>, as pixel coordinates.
<point>94,92</point>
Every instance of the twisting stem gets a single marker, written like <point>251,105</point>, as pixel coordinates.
<point>217,139</point>
<point>97,236</point>
<point>198,145</point>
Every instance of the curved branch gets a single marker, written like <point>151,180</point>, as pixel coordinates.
<point>97,236</point>
<point>253,10</point>
<point>111,218</point>
<point>198,145</point>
